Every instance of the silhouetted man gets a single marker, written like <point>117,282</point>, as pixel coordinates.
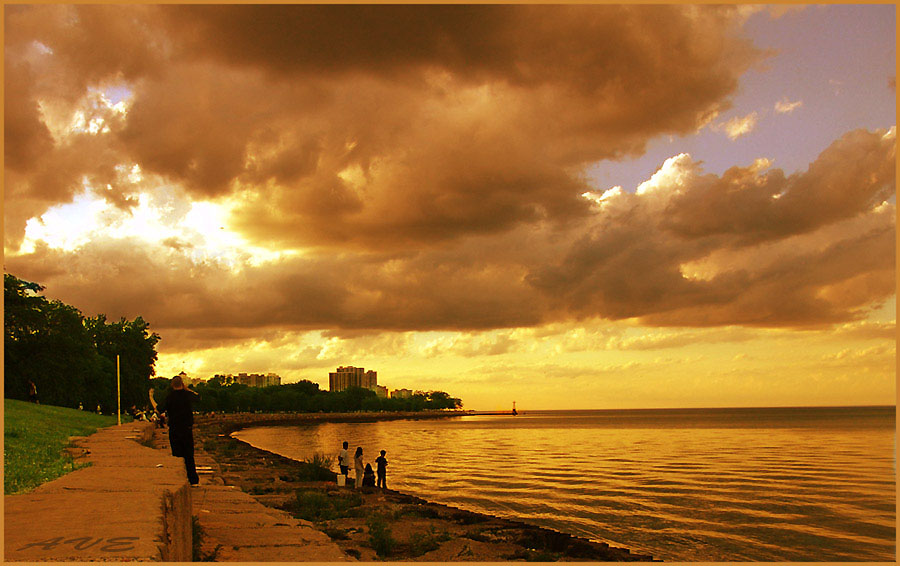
<point>381,462</point>
<point>181,420</point>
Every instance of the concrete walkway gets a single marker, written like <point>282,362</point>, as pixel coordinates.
<point>237,528</point>
<point>132,503</point>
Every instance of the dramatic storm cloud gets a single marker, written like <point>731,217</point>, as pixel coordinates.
<point>267,173</point>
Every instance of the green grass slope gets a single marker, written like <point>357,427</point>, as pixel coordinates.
<point>34,439</point>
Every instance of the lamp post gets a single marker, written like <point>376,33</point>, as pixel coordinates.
<point>118,392</point>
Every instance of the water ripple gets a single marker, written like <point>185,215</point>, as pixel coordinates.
<point>674,487</point>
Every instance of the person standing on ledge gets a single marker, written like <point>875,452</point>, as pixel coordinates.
<point>381,462</point>
<point>181,420</point>
<point>358,464</point>
<point>344,460</point>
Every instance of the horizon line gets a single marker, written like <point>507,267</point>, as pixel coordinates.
<point>894,405</point>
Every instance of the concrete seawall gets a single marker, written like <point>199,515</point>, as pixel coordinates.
<point>132,503</point>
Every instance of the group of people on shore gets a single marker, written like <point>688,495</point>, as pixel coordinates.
<point>177,411</point>
<point>365,476</point>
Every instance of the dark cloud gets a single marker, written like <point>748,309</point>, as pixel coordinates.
<point>851,176</point>
<point>464,110</point>
<point>26,138</point>
<point>632,262</point>
<point>427,163</point>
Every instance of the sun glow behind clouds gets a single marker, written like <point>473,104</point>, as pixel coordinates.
<point>157,219</point>
<point>66,227</point>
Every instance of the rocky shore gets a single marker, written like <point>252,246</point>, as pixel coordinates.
<point>371,524</point>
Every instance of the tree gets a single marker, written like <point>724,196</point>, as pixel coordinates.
<point>135,345</point>
<point>47,343</point>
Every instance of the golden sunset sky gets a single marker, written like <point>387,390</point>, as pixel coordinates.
<point>570,207</point>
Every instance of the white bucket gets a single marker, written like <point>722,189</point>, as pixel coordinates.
<point>342,480</point>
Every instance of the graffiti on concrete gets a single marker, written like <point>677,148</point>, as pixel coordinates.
<point>115,544</point>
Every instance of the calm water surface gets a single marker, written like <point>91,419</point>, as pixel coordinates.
<point>683,485</point>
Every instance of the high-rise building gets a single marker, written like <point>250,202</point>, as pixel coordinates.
<point>349,376</point>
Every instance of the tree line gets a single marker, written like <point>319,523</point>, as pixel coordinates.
<point>70,358</point>
<point>303,397</point>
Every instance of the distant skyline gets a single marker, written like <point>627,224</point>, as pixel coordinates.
<point>569,207</point>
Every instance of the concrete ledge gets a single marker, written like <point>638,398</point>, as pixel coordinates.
<point>132,503</point>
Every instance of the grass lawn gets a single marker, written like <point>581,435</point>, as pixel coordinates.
<point>35,437</point>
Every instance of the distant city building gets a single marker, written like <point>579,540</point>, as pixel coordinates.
<point>381,391</point>
<point>401,394</point>
<point>189,381</point>
<point>350,376</point>
<point>250,379</point>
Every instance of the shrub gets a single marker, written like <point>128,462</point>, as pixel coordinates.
<point>347,505</point>
<point>420,543</point>
<point>320,460</point>
<point>313,505</point>
<point>380,536</point>
<point>196,538</point>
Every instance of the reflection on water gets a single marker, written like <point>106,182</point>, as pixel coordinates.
<point>687,485</point>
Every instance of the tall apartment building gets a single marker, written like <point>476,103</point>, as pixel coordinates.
<point>349,376</point>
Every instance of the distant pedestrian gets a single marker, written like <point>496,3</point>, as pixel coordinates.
<point>381,462</point>
<point>80,406</point>
<point>181,420</point>
<point>358,465</point>
<point>368,477</point>
<point>32,392</point>
<point>344,460</point>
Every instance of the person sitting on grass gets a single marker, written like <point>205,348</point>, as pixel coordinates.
<point>368,477</point>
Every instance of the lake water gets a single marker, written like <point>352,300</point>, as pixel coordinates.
<point>799,484</point>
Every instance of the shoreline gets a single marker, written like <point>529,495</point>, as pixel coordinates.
<point>420,530</point>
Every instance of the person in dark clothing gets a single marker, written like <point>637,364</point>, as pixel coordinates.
<point>32,392</point>
<point>381,462</point>
<point>180,417</point>
<point>368,477</point>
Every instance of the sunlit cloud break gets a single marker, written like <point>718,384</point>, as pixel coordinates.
<point>784,106</point>
<point>739,126</point>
